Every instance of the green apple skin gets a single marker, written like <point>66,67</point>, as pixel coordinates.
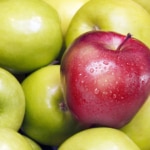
<point>12,140</point>
<point>101,138</point>
<point>144,3</point>
<point>47,120</point>
<point>30,34</point>
<point>34,145</point>
<point>12,101</point>
<point>138,129</point>
<point>66,10</point>
<point>111,15</point>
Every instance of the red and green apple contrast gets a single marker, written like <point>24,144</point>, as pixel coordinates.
<point>47,120</point>
<point>105,78</point>
<point>122,16</point>
<point>138,128</point>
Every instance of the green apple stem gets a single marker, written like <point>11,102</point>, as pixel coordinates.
<point>96,28</point>
<point>125,40</point>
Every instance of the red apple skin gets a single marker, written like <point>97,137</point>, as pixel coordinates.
<point>105,85</point>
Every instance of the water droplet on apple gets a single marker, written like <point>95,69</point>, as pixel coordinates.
<point>112,73</point>
<point>117,82</point>
<point>105,68</point>
<point>80,74</point>
<point>96,91</point>
<point>105,62</point>
<point>122,97</point>
<point>105,80</point>
<point>82,81</point>
<point>114,96</point>
<point>91,70</point>
<point>105,93</point>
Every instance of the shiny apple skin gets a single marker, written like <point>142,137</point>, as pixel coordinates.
<point>103,85</point>
<point>111,15</point>
<point>47,120</point>
<point>30,35</point>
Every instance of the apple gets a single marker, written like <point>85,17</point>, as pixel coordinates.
<point>138,128</point>
<point>34,145</point>
<point>47,120</point>
<point>105,78</point>
<point>12,101</point>
<point>99,139</point>
<point>30,34</point>
<point>110,15</point>
<point>12,140</point>
<point>144,3</point>
<point>66,10</point>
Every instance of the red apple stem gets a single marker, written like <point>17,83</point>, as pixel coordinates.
<point>125,40</point>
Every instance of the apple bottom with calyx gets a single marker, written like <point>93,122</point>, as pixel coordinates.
<point>47,120</point>
<point>105,78</point>
<point>99,139</point>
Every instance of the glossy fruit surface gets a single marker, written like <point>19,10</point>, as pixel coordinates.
<point>144,3</point>
<point>99,139</point>
<point>34,145</point>
<point>111,15</point>
<point>12,140</point>
<point>47,120</point>
<point>66,10</point>
<point>138,128</point>
<point>12,101</point>
<point>30,35</point>
<point>106,78</point>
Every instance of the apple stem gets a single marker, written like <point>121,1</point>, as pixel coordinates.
<point>96,28</point>
<point>125,40</point>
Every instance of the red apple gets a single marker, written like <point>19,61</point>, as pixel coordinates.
<point>105,78</point>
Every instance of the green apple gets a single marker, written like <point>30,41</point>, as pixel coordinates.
<point>99,139</point>
<point>111,15</point>
<point>12,140</point>
<point>138,129</point>
<point>34,145</point>
<point>66,10</point>
<point>144,3</point>
<point>30,35</point>
<point>12,101</point>
<point>47,120</point>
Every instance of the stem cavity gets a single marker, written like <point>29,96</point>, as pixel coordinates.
<point>125,40</point>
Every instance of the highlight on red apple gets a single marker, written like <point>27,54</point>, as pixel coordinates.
<point>106,78</point>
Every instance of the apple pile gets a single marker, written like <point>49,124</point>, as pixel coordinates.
<point>74,74</point>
